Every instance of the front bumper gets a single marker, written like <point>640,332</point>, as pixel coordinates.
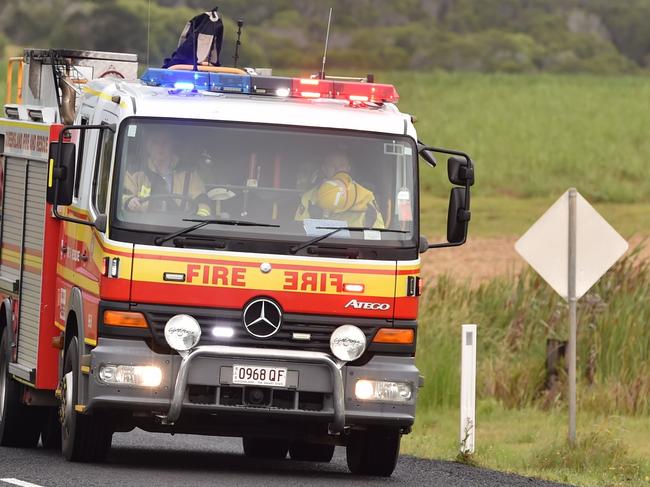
<point>208,367</point>
<point>180,387</point>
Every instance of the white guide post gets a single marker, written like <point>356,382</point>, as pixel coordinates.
<point>468,389</point>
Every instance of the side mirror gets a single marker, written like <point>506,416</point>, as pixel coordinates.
<point>460,172</point>
<point>60,180</point>
<point>458,216</point>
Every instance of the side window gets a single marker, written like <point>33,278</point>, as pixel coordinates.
<point>80,157</point>
<point>102,170</point>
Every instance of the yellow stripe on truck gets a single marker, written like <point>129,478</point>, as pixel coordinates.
<point>79,280</point>
<point>320,281</point>
<point>254,260</point>
<point>26,125</point>
<point>102,95</point>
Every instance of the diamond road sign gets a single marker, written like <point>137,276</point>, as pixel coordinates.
<point>545,246</point>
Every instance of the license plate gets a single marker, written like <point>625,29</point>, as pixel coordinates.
<point>259,376</point>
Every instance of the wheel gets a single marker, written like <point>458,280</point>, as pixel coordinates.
<point>373,452</point>
<point>271,448</point>
<point>84,438</point>
<point>19,424</point>
<point>311,452</point>
<point>51,430</point>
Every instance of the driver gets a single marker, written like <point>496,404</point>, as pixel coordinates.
<point>338,197</point>
<point>161,177</point>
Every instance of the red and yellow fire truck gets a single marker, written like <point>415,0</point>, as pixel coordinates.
<point>210,251</point>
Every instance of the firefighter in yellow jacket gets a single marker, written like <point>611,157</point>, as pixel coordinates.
<point>339,197</point>
<point>160,186</point>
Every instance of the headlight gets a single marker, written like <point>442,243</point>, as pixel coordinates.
<point>348,343</point>
<point>379,390</point>
<point>182,332</point>
<point>135,375</point>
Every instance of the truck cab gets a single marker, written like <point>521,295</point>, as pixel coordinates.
<point>237,255</point>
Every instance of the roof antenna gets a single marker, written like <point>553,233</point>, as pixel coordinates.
<point>240,24</point>
<point>148,29</point>
<point>327,38</point>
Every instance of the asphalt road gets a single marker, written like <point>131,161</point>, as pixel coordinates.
<point>143,459</point>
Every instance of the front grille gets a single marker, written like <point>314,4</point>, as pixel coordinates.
<point>319,328</point>
<point>266,397</point>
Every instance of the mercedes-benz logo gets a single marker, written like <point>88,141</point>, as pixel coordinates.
<point>262,318</point>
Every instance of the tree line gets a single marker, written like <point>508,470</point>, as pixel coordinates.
<point>526,36</point>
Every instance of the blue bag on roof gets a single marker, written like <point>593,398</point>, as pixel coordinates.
<point>201,38</point>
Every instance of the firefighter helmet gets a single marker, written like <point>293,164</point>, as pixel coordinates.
<point>336,195</point>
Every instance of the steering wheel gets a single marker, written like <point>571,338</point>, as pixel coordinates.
<point>188,205</point>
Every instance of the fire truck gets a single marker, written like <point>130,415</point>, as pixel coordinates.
<point>209,250</point>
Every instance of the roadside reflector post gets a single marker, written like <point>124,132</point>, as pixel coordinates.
<point>468,389</point>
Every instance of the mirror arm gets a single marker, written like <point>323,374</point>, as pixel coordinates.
<point>55,212</point>
<point>427,156</point>
<point>447,244</point>
<point>55,206</point>
<point>451,152</point>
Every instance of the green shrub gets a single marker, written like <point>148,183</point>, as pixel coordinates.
<point>516,316</point>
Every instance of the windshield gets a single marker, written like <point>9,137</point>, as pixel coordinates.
<point>302,181</point>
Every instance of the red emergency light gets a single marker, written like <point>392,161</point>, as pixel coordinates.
<point>312,88</point>
<point>365,92</point>
<point>352,91</point>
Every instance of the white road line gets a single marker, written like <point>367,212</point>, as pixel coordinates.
<point>20,483</point>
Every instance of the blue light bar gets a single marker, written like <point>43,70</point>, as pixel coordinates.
<point>197,80</point>
<point>184,85</point>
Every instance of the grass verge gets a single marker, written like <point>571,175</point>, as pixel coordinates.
<point>521,418</point>
<point>612,450</point>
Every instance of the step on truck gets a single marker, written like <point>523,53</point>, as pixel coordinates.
<point>211,251</point>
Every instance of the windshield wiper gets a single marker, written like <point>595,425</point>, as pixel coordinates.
<point>200,223</point>
<point>297,248</point>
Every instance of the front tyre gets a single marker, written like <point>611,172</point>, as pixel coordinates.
<point>84,438</point>
<point>373,452</point>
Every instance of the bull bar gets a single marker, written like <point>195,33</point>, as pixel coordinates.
<point>221,351</point>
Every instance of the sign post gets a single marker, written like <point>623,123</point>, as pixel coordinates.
<point>571,246</point>
<point>573,318</point>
